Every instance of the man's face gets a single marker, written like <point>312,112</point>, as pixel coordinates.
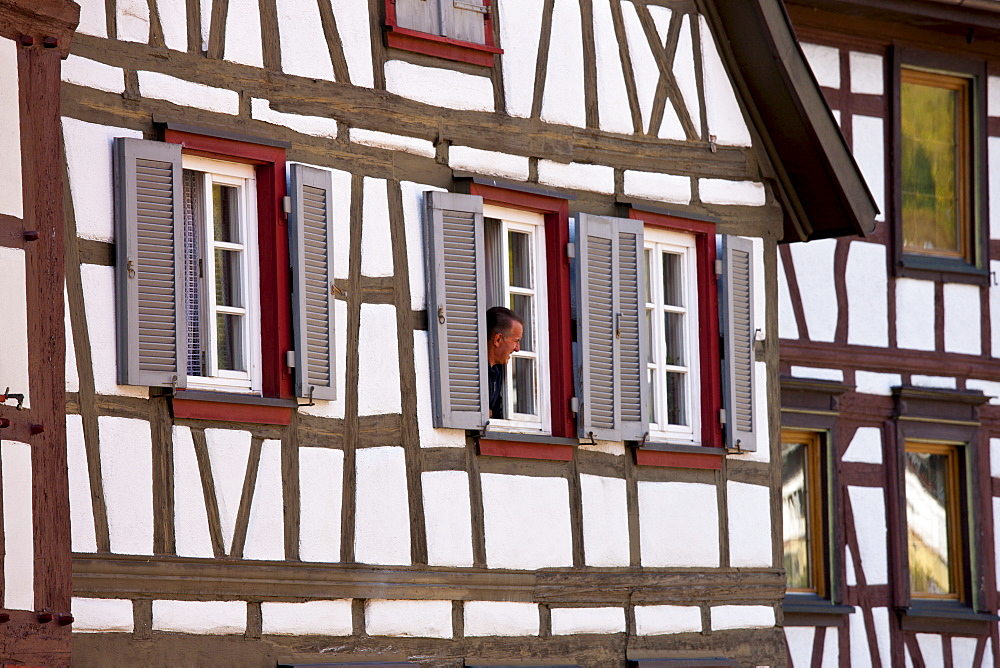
<point>504,346</point>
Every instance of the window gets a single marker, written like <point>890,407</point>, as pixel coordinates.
<point>460,30</point>
<point>802,511</point>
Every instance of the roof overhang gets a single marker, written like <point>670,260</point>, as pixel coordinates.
<point>819,183</point>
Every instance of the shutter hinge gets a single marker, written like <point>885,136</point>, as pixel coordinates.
<point>722,416</point>
<point>718,267</point>
<point>571,250</point>
<point>290,359</point>
<point>574,405</point>
<point>286,204</point>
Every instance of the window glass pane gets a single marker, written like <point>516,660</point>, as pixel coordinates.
<point>523,395</point>
<point>227,278</point>
<point>519,245</point>
<point>673,280</point>
<point>494,262</point>
<point>650,352</point>
<point>649,277</point>
<point>676,398</point>
<point>229,348</point>
<point>795,500</point>
<point>225,212</point>
<point>523,305</point>
<point>673,333</point>
<point>651,396</point>
<point>928,514</point>
<point>931,117</point>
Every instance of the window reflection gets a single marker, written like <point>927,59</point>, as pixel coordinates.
<point>931,482</point>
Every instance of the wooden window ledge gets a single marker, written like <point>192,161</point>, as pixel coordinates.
<point>231,407</point>
<point>657,453</point>
<point>811,610</point>
<point>525,446</point>
<point>441,47</point>
<point>946,617</point>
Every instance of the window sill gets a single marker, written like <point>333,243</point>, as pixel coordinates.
<point>941,269</point>
<point>812,610</point>
<point>931,616</point>
<point>441,47</point>
<point>525,446</point>
<point>656,453</point>
<point>227,407</point>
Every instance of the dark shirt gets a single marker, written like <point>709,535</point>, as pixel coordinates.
<point>496,390</point>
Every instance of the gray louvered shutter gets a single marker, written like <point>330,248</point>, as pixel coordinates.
<point>456,308</point>
<point>464,20</point>
<point>152,324</point>
<point>738,330</point>
<point>419,15</point>
<point>310,235</point>
<point>633,346</point>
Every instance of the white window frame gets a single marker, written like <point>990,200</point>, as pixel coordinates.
<point>242,176</point>
<point>534,225</point>
<point>657,242</point>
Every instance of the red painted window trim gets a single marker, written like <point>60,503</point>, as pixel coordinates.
<point>708,327</point>
<point>556,212</point>
<point>683,460</point>
<point>230,412</point>
<point>549,451</point>
<point>430,44</point>
<point>272,242</point>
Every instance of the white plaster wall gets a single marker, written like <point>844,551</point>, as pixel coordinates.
<point>321,483</point>
<point>382,510</point>
<point>739,193</point>
<point>577,175</point>
<point>824,62</point>
<point>871,382</point>
<point>133,20</point>
<point>18,529</point>
<point>932,649</point>
<point>341,233</point>
<point>880,619</point>
<point>447,518</point>
<point>335,408</point>
<point>678,524</point>
<point>996,534</point>
<point>742,617</point>
<point>605,521</point>
<point>490,163</point>
<point>831,647</point>
<point>314,126</point>
<point>800,644</point>
<point>191,532</point>
<point>102,615</point>
<point>613,109</point>
<point>787,326</point>
<point>527,521</point>
<point>993,157</point>
<point>867,295</point>
<point>563,99</point>
<point>181,92</point>
<point>173,21</point>
<point>963,651</point>
<point>391,142</point>
<point>413,219</point>
<point>658,187</point>
<point>378,361</point>
<point>520,28</point>
<point>81,509</point>
<point>993,94</point>
<point>813,263</point>
<point>570,621</point>
<point>419,619</point>
<point>962,331</point>
<point>93,20</point>
<point>836,375</point>
<point>429,436</point>
<point>200,617</point>
<point>229,453</point>
<point>683,69</point>
<point>206,23</point>
<point>304,51</point>
<point>355,39</point>
<point>867,74</point>
<point>321,618</point>
<point>995,299</point>
<point>14,342</point>
<point>651,620</point>
<point>99,302</point>
<point>500,618</point>
<point>860,652</point>
<point>914,314</point>
<point>72,374</point>
<point>88,161</point>
<point>439,87</point>
<point>725,118</point>
<point>868,505</point>
<point>988,655</point>
<point>91,73</point>
<point>869,152</point>
<point>376,238</point>
<point>127,473</point>
<point>866,446</point>
<point>987,387</point>
<point>644,68</point>
<point>850,576</point>
<point>942,382</point>
<point>243,39</point>
<point>995,457</point>
<point>266,526</point>
<point>749,525</point>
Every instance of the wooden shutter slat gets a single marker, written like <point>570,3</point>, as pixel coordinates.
<point>634,413</point>
<point>738,330</point>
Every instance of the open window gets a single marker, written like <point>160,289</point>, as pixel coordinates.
<point>460,30</point>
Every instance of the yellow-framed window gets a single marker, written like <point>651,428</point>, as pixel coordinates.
<point>802,511</point>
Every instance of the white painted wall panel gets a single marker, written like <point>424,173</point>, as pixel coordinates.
<point>191,532</point>
<point>335,409</point>
<point>867,295</point>
<point>871,382</point>
<point>993,157</point>
<point>813,263</point>
<point>93,18</point>
<point>376,239</point>
<point>963,651</point>
<point>860,652</point>
<point>85,72</point>
<point>413,219</point>
<point>527,521</point>
<point>439,87</point>
<point>321,618</point>
<point>658,187</point>
<point>206,22</point>
<point>99,302</point>
<point>868,504</point>
<point>378,360</point>
<point>200,617</point>
<point>229,453</point>
<point>11,202</point>
<point>749,525</point>
<point>314,126</point>
<point>429,436</point>
<point>787,325</point>
<point>850,574</point>
<point>133,20</point>
<point>157,86</point>
<point>81,508</point>
<point>996,534</point>
<point>831,648</point>
<point>127,472</point>
<point>173,20</point>
<point>391,142</point>
<point>355,39</point>
<point>988,655</point>
<point>914,314</point>
<point>880,619</point>
<point>995,298</point>
<point>760,415</point>
<point>563,98</point>
<point>418,619</point>
<point>678,524</point>
<point>490,163</point>
<point>102,615</point>
<point>644,67</point>
<point>613,108</point>
<point>88,159</point>
<point>321,483</point>
<point>962,331</point>
<point>993,93</point>
<point>570,621</point>
<point>14,372</point>
<point>869,152</point>
<point>941,382</point>
<point>16,476</point>
<point>865,447</point>
<point>72,374</point>
<point>577,175</point>
<point>725,118</point>
<point>382,512</point>
<point>742,617</point>
<point>867,74</point>
<point>987,387</point>
<point>836,375</point>
<point>448,518</point>
<point>605,521</point>
<point>266,527</point>
<point>684,74</point>
<point>824,62</point>
<point>500,618</point>
<point>800,645</point>
<point>304,51</point>
<point>520,28</point>
<point>995,457</point>
<point>651,620</point>
<point>931,648</point>
<point>738,193</point>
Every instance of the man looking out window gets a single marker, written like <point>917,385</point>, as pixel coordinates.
<point>504,329</point>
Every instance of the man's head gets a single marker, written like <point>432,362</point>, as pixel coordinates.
<point>504,329</point>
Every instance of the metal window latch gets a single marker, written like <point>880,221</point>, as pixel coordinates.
<point>618,325</point>
<point>441,314</point>
<point>290,359</point>
<point>131,268</point>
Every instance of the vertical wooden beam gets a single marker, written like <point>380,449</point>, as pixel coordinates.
<point>290,490</point>
<point>246,499</point>
<point>576,512</point>
<point>840,255</point>
<point>208,488</point>
<point>217,29</point>
<point>375,22</point>
<point>542,61</point>
<point>333,42</point>
<point>111,18</point>
<point>589,64</point>
<point>194,26</point>
<point>632,509</point>
<point>627,70</point>
<point>270,37</point>
<point>163,475</point>
<point>156,37</point>
<point>699,74</point>
<point>476,506</point>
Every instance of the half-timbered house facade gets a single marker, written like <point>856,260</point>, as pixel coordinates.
<point>284,222</point>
